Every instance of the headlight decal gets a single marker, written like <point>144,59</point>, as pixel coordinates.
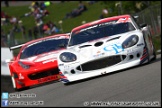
<point>117,48</point>
<point>23,65</point>
<point>131,41</point>
<point>67,57</point>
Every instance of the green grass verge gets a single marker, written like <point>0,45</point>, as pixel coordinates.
<point>57,12</point>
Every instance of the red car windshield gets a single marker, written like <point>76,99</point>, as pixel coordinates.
<point>43,46</point>
<point>99,31</point>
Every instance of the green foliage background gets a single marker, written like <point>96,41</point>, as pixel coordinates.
<point>59,10</point>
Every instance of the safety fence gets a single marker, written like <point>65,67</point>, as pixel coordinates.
<point>152,17</point>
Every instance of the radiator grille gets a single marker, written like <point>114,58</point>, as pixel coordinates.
<point>101,63</point>
<point>43,74</point>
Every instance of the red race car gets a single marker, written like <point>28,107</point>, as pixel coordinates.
<point>36,61</point>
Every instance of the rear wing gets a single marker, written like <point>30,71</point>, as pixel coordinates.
<point>20,45</point>
<point>68,33</point>
<point>16,47</point>
<point>13,50</point>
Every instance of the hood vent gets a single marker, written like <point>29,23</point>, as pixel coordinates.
<point>113,39</point>
<point>98,44</point>
<point>84,46</point>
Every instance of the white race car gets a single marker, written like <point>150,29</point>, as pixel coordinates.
<point>105,46</point>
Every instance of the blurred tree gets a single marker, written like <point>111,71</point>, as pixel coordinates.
<point>127,7</point>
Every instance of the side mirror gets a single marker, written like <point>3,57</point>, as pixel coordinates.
<point>136,18</point>
<point>8,60</point>
<point>62,45</point>
<point>143,25</point>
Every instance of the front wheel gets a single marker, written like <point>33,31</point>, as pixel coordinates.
<point>13,82</point>
<point>14,85</point>
<point>154,52</point>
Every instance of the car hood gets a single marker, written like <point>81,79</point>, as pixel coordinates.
<point>99,48</point>
<point>42,58</point>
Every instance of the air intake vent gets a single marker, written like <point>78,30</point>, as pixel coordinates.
<point>84,46</point>
<point>100,63</point>
<point>43,74</point>
<point>113,39</point>
<point>98,44</point>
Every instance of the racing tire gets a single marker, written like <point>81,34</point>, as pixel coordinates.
<point>66,84</point>
<point>146,51</point>
<point>148,56</point>
<point>154,52</point>
<point>24,88</point>
<point>14,85</point>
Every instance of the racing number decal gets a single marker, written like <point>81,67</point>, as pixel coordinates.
<point>49,78</point>
<point>114,48</point>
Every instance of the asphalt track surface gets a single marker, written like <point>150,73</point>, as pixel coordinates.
<point>138,84</point>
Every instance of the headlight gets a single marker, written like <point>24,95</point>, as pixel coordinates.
<point>132,40</point>
<point>23,65</point>
<point>68,57</point>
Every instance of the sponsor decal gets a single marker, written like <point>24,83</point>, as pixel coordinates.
<point>98,55</point>
<point>48,79</point>
<point>20,76</point>
<point>52,60</point>
<point>61,64</point>
<point>58,76</point>
<point>130,51</point>
<point>117,48</point>
<point>88,28</point>
<point>66,67</point>
<point>140,44</point>
<point>144,56</point>
<point>123,20</point>
<point>107,23</point>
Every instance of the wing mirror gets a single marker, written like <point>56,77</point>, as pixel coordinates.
<point>143,25</point>
<point>10,60</point>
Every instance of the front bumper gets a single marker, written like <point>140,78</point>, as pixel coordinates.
<point>65,78</point>
<point>77,71</point>
<point>25,79</point>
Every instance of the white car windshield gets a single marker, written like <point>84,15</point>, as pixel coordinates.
<point>99,31</point>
